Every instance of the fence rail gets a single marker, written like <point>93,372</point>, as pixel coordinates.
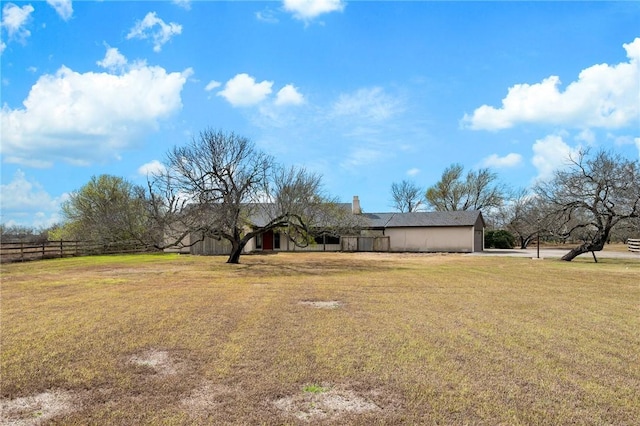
<point>634,244</point>
<point>30,250</point>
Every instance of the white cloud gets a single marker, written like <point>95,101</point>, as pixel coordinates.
<point>372,103</point>
<point>185,4</point>
<point>509,160</point>
<point>22,194</point>
<point>550,154</point>
<point>620,140</point>
<point>587,136</point>
<point>289,95</point>
<point>25,202</point>
<point>362,156</point>
<point>267,16</point>
<point>147,29</point>
<point>151,168</point>
<point>15,19</point>
<point>64,8</point>
<point>242,90</point>
<point>82,118</point>
<point>413,172</point>
<point>212,85</point>
<point>306,10</point>
<point>603,96</point>
<point>113,60</point>
<point>624,140</point>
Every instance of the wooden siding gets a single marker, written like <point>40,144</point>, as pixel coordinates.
<point>211,246</point>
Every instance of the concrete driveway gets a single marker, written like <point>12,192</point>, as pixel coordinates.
<point>555,253</point>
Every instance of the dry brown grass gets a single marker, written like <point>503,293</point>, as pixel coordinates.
<point>320,338</point>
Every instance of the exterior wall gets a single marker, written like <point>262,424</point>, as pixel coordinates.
<point>312,247</point>
<point>372,233</point>
<point>478,242</point>
<point>212,246</point>
<point>437,239</point>
<point>251,246</point>
<point>287,245</point>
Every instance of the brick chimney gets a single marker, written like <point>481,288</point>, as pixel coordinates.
<point>355,207</point>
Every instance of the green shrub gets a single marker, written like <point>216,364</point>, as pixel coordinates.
<point>499,239</point>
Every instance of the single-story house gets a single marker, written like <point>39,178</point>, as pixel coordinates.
<point>448,231</point>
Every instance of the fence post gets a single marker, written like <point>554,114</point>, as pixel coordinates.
<point>21,251</point>
<point>43,250</point>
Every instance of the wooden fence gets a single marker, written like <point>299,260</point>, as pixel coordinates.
<point>26,250</point>
<point>634,245</point>
<point>357,243</point>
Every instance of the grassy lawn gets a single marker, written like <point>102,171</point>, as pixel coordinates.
<point>321,338</point>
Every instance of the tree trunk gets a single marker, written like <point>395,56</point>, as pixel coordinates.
<point>524,242</point>
<point>591,246</point>
<point>234,257</point>
<point>236,251</point>
<point>236,248</point>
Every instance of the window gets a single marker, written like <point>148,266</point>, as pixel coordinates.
<point>259,241</point>
<point>332,239</point>
<point>276,240</point>
<point>327,239</point>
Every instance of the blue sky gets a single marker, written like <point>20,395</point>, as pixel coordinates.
<point>364,93</point>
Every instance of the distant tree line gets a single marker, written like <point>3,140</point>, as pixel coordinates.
<point>19,233</point>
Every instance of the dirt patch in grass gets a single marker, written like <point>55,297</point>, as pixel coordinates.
<point>207,398</point>
<point>36,409</point>
<point>325,403</point>
<point>158,361</point>
<point>322,304</point>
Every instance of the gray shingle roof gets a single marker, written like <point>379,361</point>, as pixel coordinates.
<point>261,214</point>
<point>378,220</point>
<point>418,219</point>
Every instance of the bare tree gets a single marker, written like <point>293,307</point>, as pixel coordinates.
<point>22,233</point>
<point>479,190</point>
<point>526,216</point>
<point>626,229</point>
<point>407,196</point>
<point>221,186</point>
<point>591,197</point>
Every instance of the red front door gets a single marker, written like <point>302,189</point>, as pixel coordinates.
<point>267,240</point>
